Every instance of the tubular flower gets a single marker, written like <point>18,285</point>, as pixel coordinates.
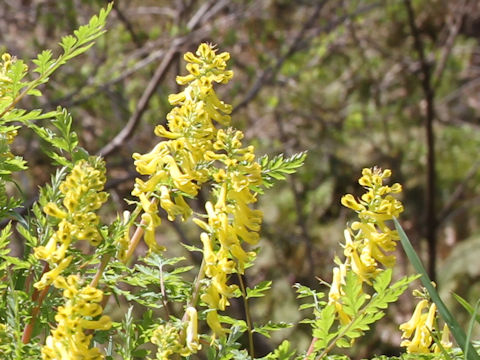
<point>177,167</point>
<point>421,326</point>
<point>182,340</point>
<point>69,341</point>
<point>369,240</point>
<point>82,196</point>
<point>230,222</point>
<point>7,65</point>
<point>194,154</point>
<point>339,273</point>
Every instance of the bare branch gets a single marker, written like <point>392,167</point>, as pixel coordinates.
<point>430,221</point>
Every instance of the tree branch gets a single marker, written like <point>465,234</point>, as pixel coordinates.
<point>429,94</point>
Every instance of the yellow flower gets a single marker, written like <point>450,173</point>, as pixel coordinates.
<point>196,154</point>
<point>350,202</point>
<point>167,339</point>
<point>174,209</point>
<point>370,240</point>
<point>409,327</point>
<point>50,276</point>
<point>68,340</point>
<point>444,341</point>
<point>213,322</point>
<point>336,292</point>
<point>192,341</point>
<point>151,222</point>
<point>82,196</point>
<point>421,326</point>
<point>171,339</point>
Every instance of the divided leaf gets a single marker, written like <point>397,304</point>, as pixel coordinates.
<point>276,168</point>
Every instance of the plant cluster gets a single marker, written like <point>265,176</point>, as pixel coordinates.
<point>89,261</point>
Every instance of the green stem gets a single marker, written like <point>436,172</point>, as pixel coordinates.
<point>60,61</point>
<point>247,316</point>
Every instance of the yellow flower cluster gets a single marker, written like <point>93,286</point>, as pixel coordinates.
<point>368,240</point>
<point>197,153</point>
<point>171,339</point>
<point>230,220</point>
<point>69,341</point>
<point>5,340</point>
<point>83,195</point>
<point>177,167</point>
<point>5,78</point>
<point>421,326</point>
<point>371,239</point>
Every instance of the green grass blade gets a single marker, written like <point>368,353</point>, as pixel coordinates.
<point>457,331</point>
<point>470,327</point>
<point>466,306</point>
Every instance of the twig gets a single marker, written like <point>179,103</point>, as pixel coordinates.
<point>459,191</point>
<point>269,73</point>
<point>106,258</point>
<point>166,304</point>
<point>447,49</point>
<point>196,287</point>
<point>134,120</point>
<point>128,26</point>
<point>301,41</point>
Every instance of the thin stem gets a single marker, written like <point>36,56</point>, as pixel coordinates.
<point>131,249</point>
<point>247,316</point>
<point>37,296</point>
<point>165,302</point>
<point>310,348</point>
<point>100,270</point>
<point>38,81</point>
<point>196,287</point>
<point>138,232</point>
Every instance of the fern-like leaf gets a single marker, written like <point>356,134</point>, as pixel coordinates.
<point>276,168</point>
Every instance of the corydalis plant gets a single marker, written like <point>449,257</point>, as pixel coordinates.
<point>82,195</point>
<point>71,216</point>
<point>197,155</point>
<point>367,267</point>
<point>70,339</point>
<point>418,331</point>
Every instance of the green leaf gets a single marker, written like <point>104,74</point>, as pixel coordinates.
<point>354,297</point>
<point>259,289</point>
<point>43,61</point>
<point>67,43</point>
<point>65,139</point>
<point>470,327</point>
<point>23,116</point>
<point>271,326</point>
<point>276,168</point>
<point>283,352</point>
<point>466,306</point>
<point>322,326</point>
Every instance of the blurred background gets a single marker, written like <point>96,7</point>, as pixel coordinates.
<point>356,83</point>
